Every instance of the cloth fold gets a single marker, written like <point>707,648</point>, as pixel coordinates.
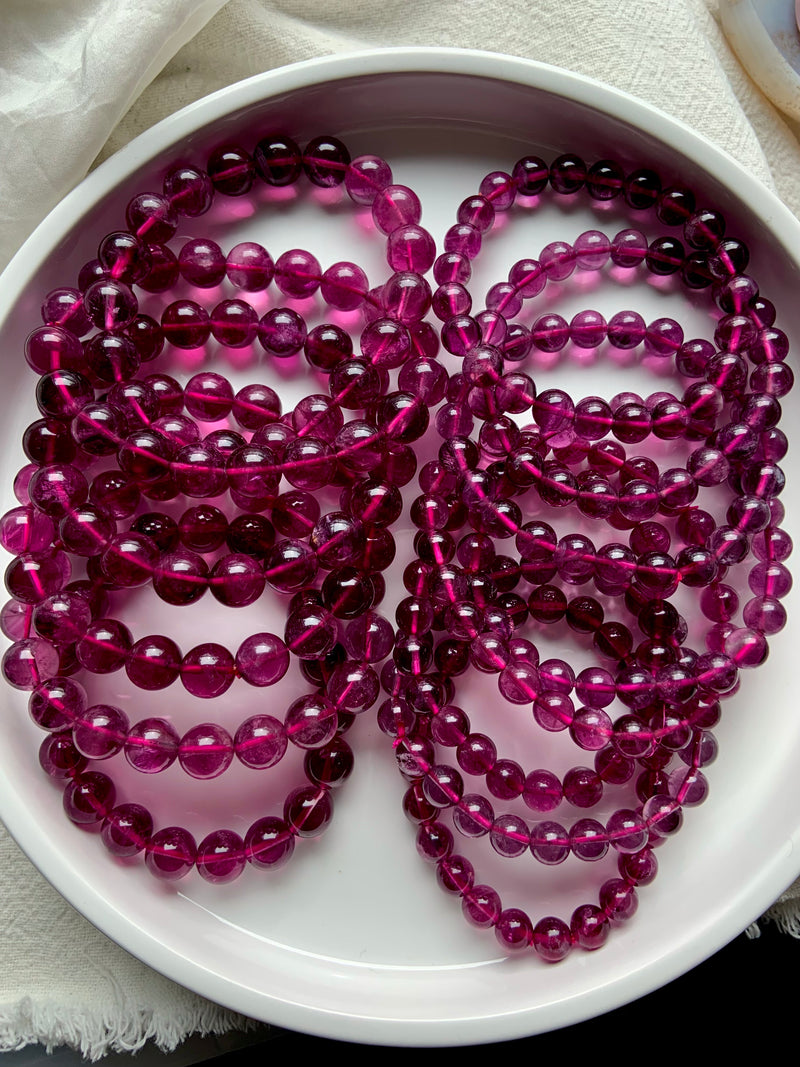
<point>78,81</point>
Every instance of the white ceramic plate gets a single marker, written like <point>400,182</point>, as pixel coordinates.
<point>765,37</point>
<point>354,940</point>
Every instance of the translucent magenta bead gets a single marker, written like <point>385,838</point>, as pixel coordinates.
<point>326,161</point>
<point>105,646</point>
<point>663,815</point>
<point>181,577</point>
<point>592,250</point>
<point>56,703</point>
<point>311,632</point>
<point>664,337</point>
<point>249,266</point>
<point>110,304</point>
<point>344,286</point>
<point>16,619</point>
<point>514,930</point>
<point>550,843</point>
<point>308,810</point>
<point>207,670</point>
<point>473,815</point>
<point>481,906</point>
<point>550,332</point>
<point>262,659</point>
<point>552,939</point>
<point>57,488</point>
<point>89,798</point>
<point>582,787</point>
<point>298,273</point>
<point>126,830</point>
<point>455,874</point>
<point>269,843</point>
<point>129,560</point>
<point>463,239</point>
<point>170,853</point>
<point>208,396</point>
<point>410,248</point>
<point>618,900</point>
<point>365,177</point>
<point>764,614</point>
<point>236,580</point>
<point>767,578</point>
<point>185,324</point>
<point>51,347</point>
<point>510,836</point>
<point>234,323</point>
<point>199,470</point>
<point>231,170</point>
<point>153,662</point>
<point>221,857</point>
<point>260,742</point>
<point>627,831</point>
<point>588,840</point>
<point>29,662</point>
<point>24,529</point>
<point>500,189</point>
<point>205,751</point>
<point>59,758</point>
<point>746,647</point>
<point>628,248</point>
<point>394,206</point>
<point>282,332</point>
<point>311,721</point>
<point>64,307</point>
<point>588,329</point>
<point>100,732</point>
<point>151,745</point>
<point>291,565</point>
<point>189,190</point>
<point>589,927</point>
<point>558,260</point>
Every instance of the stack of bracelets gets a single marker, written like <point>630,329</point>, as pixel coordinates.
<point>118,439</point>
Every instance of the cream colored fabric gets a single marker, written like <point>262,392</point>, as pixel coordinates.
<point>80,78</point>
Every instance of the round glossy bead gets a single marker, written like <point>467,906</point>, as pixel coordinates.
<point>249,266</point>
<point>88,799</point>
<point>170,853</point>
<point>510,836</point>
<point>207,670</point>
<point>311,721</point>
<point>550,843</point>
<point>58,702</point>
<point>231,170</point>
<point>100,732</point>
<point>221,856</point>
<point>105,646</point>
<point>189,190</point>
<point>59,758</point>
<point>394,206</point>
<point>151,745</point>
<point>269,843</point>
<point>126,830</point>
<point>308,810</point>
<point>552,939</point>
<point>205,751</point>
<point>260,742</point>
<point>365,177</point>
<point>627,831</point>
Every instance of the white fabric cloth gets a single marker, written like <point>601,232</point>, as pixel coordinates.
<point>79,79</point>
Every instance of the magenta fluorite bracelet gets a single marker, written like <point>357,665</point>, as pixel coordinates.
<point>118,445</point>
